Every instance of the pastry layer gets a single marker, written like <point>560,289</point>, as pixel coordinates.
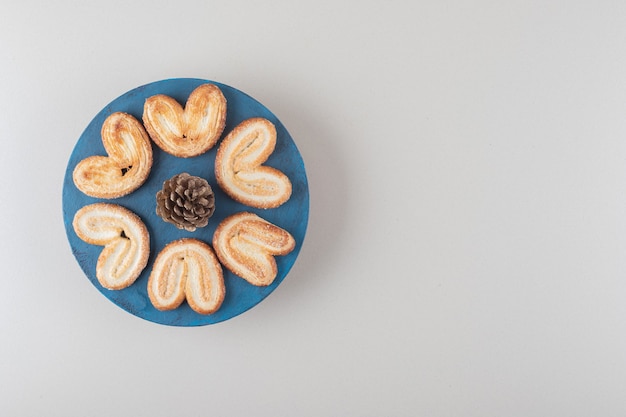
<point>190,131</point>
<point>239,168</point>
<point>125,239</point>
<point>187,269</point>
<point>127,165</point>
<point>246,244</point>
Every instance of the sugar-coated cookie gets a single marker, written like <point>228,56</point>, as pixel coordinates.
<point>246,244</point>
<point>127,165</point>
<point>187,269</point>
<point>125,239</point>
<point>190,131</point>
<point>239,168</point>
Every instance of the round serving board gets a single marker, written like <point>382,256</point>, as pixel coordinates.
<point>291,216</point>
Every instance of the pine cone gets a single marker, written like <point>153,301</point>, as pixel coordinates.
<point>186,201</point>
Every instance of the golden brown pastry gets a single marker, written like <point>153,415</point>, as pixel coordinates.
<point>246,244</point>
<point>187,268</point>
<point>190,131</point>
<point>239,170</point>
<point>125,239</point>
<point>127,165</point>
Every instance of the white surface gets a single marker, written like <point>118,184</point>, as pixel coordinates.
<point>465,253</point>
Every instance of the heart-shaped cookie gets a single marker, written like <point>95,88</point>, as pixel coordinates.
<point>239,168</point>
<point>190,131</point>
<point>125,239</point>
<point>187,268</point>
<point>246,244</point>
<point>127,165</point>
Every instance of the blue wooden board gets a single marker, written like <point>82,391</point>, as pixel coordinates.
<point>291,216</point>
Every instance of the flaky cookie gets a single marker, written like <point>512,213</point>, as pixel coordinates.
<point>125,239</point>
<point>239,170</point>
<point>187,268</point>
<point>190,131</point>
<point>246,244</point>
<point>127,165</point>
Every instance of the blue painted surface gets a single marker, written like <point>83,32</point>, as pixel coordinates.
<point>291,216</point>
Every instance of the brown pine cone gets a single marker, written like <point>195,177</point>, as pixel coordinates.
<point>186,201</point>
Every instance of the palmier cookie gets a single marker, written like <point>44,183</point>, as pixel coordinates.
<point>187,268</point>
<point>239,170</point>
<point>127,165</point>
<point>190,131</point>
<point>125,239</point>
<point>246,244</point>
